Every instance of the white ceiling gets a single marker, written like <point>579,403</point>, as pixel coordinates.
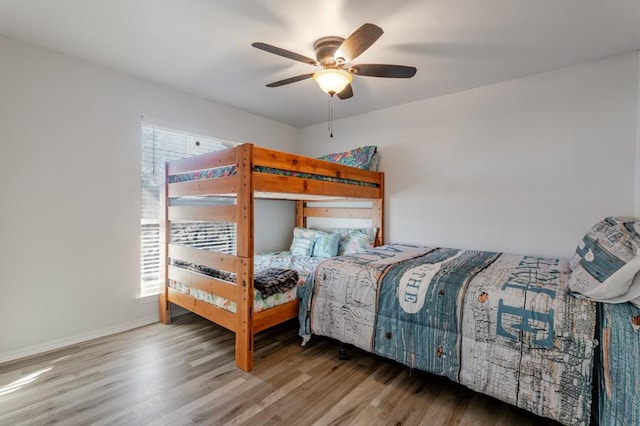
<point>203,47</point>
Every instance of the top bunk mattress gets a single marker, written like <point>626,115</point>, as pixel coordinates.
<point>219,172</point>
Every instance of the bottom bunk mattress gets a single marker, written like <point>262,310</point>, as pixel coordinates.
<point>263,262</point>
<point>500,324</point>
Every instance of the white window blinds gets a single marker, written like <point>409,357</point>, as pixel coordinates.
<point>158,146</point>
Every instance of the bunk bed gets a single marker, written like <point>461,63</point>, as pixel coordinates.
<point>242,174</point>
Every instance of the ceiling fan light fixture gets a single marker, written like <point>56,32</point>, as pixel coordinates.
<point>332,80</point>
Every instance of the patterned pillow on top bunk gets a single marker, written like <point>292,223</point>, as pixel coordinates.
<point>364,157</point>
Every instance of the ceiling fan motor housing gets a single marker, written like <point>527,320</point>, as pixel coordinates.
<point>325,48</point>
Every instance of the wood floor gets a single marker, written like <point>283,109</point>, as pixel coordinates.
<point>184,373</point>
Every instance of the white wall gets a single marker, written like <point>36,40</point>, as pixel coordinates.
<point>69,187</point>
<point>637,192</point>
<point>524,166</point>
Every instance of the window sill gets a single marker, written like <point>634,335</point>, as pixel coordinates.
<point>151,298</point>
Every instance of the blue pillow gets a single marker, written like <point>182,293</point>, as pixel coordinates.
<point>326,245</point>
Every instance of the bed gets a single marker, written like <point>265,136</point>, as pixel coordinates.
<point>517,328</point>
<point>617,381</point>
<point>240,175</point>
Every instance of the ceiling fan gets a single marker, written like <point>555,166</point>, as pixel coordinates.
<point>335,55</point>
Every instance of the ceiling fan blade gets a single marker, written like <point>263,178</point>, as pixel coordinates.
<point>285,53</point>
<point>359,41</point>
<point>346,93</point>
<point>383,70</point>
<point>290,80</point>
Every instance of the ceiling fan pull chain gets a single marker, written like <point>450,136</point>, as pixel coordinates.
<point>330,118</point>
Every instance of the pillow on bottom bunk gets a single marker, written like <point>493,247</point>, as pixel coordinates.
<point>338,242</point>
<point>303,241</point>
<point>355,240</point>
<point>326,244</point>
<point>606,262</point>
<point>314,243</point>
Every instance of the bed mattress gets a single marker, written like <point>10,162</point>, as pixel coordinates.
<point>263,261</point>
<point>219,172</point>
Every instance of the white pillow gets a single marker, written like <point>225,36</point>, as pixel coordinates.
<point>607,261</point>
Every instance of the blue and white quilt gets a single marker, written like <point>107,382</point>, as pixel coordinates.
<point>618,371</point>
<point>504,325</point>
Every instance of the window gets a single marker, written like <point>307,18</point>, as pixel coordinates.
<point>158,146</point>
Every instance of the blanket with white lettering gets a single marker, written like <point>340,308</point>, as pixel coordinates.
<point>500,324</point>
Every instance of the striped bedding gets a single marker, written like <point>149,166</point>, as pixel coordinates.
<point>500,324</point>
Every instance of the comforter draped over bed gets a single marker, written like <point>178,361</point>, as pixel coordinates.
<point>503,325</point>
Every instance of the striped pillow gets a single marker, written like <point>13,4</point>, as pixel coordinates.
<point>303,240</point>
<point>606,262</point>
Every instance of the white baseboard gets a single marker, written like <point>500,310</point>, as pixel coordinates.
<point>68,341</point>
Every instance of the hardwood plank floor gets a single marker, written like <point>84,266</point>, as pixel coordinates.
<point>184,373</point>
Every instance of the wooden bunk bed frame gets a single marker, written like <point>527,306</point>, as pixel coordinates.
<point>246,185</point>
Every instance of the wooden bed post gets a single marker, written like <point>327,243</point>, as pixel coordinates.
<point>165,238</point>
<point>301,220</point>
<point>244,275</point>
<point>377,214</point>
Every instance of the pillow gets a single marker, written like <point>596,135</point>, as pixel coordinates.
<point>326,245</point>
<point>355,243</point>
<point>355,240</point>
<point>375,162</point>
<point>359,157</point>
<point>303,241</point>
<point>607,261</point>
